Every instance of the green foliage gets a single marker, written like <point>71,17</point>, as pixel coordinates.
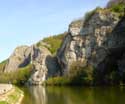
<point>2,65</point>
<point>118,8</point>
<point>57,81</point>
<point>18,77</point>
<point>53,42</point>
<point>78,75</point>
<point>3,102</point>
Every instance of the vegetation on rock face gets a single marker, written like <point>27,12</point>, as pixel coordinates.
<point>2,65</point>
<point>20,76</point>
<point>57,81</point>
<point>118,8</point>
<point>52,43</point>
<point>78,75</point>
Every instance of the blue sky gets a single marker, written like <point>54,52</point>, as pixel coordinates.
<point>24,22</point>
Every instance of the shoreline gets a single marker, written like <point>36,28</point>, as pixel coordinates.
<point>10,94</point>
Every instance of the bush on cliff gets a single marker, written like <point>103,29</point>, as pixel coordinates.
<point>57,81</point>
<point>81,75</point>
<point>78,75</point>
<point>118,8</point>
<point>53,42</point>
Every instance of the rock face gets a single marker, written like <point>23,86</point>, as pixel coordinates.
<point>99,42</point>
<point>38,58</point>
<point>44,65</point>
<point>88,43</point>
<point>20,58</point>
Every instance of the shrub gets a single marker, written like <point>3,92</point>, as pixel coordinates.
<point>57,81</point>
<point>18,77</point>
<point>118,8</point>
<point>79,74</point>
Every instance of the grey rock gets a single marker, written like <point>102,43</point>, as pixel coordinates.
<point>19,58</point>
<point>89,43</point>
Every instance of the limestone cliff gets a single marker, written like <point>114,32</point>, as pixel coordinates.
<point>44,65</point>
<point>87,42</point>
<point>98,41</point>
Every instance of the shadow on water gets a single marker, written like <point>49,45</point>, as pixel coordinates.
<point>73,95</point>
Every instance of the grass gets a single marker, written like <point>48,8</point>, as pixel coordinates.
<point>3,102</point>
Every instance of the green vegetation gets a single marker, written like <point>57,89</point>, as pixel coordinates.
<point>58,81</point>
<point>18,77</point>
<point>78,75</point>
<point>13,97</point>
<point>118,8</point>
<point>81,75</point>
<point>52,43</point>
<point>2,65</point>
<point>3,102</point>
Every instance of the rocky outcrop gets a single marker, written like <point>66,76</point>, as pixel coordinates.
<point>100,43</point>
<point>44,65</point>
<point>38,58</point>
<point>88,43</point>
<point>20,58</point>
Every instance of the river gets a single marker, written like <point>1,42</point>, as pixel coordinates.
<point>73,95</point>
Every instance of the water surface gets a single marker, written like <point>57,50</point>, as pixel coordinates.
<point>73,95</point>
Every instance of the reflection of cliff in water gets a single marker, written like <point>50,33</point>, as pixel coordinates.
<point>39,94</point>
<point>34,95</point>
<point>73,95</point>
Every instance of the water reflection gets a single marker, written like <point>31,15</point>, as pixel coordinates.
<point>73,95</point>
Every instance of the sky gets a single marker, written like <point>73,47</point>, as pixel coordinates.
<point>24,22</point>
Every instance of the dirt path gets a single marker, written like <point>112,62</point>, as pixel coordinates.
<point>4,88</point>
<point>8,92</point>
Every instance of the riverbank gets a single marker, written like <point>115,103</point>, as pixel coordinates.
<point>10,94</point>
